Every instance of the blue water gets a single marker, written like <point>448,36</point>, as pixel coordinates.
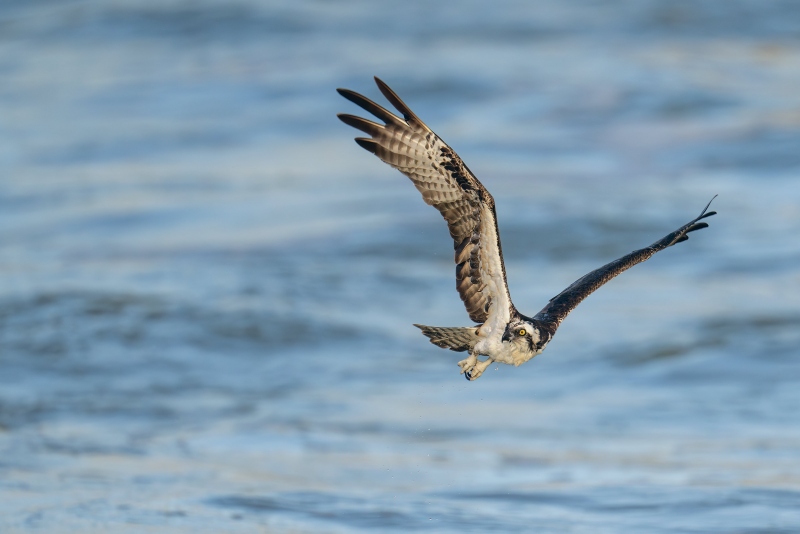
<point>207,289</point>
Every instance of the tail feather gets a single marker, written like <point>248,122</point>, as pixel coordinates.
<point>457,338</point>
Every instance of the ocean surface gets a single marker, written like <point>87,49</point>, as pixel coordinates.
<point>207,289</point>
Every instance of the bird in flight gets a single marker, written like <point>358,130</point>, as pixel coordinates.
<point>503,334</point>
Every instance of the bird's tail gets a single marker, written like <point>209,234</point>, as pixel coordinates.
<point>457,338</point>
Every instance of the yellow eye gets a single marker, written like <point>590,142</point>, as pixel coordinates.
<point>521,332</point>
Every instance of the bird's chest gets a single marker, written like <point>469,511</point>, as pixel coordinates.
<point>492,346</point>
<point>501,352</point>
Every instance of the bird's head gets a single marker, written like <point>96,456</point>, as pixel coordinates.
<point>520,331</point>
<point>525,337</point>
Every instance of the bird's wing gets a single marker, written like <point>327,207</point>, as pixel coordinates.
<point>437,172</point>
<point>566,301</point>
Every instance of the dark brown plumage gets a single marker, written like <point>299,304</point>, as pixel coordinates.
<point>446,183</point>
<point>566,301</point>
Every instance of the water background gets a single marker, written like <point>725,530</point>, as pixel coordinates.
<point>207,289</point>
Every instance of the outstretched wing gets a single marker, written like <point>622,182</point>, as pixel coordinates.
<point>566,301</point>
<point>409,146</point>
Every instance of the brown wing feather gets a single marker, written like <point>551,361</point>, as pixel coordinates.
<point>445,183</point>
<point>566,301</point>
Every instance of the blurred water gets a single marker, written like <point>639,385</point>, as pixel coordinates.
<point>207,289</point>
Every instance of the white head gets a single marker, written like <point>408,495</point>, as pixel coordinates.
<point>524,337</point>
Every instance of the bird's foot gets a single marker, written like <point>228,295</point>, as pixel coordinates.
<point>468,363</point>
<point>477,369</point>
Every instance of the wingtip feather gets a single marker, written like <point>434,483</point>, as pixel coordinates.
<point>697,226</point>
<point>399,105</point>
<point>367,144</point>
<point>360,123</point>
<point>709,214</point>
<point>703,213</point>
<point>368,105</point>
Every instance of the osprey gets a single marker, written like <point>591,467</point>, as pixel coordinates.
<point>503,335</point>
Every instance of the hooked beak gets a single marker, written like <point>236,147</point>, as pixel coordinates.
<point>506,336</point>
